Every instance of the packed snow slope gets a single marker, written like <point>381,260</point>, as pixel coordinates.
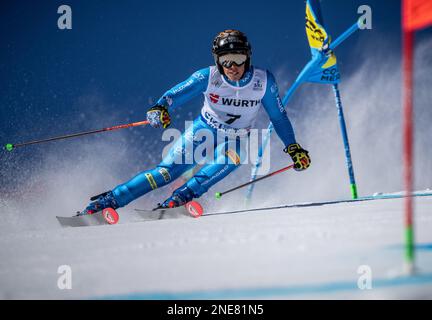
<point>313,252</point>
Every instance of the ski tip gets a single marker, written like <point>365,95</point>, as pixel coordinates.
<point>218,195</point>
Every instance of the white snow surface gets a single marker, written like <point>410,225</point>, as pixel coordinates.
<point>311,253</point>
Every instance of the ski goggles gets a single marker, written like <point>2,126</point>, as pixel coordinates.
<point>228,60</point>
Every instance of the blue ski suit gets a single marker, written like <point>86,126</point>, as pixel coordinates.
<point>229,151</point>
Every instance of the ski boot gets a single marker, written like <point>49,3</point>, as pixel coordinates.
<point>103,200</point>
<point>183,197</point>
<point>179,198</point>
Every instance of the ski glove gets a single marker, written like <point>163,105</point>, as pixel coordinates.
<point>158,116</point>
<point>299,156</point>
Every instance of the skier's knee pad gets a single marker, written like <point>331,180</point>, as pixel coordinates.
<point>234,156</point>
<point>233,152</point>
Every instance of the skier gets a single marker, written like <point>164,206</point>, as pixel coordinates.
<point>233,90</point>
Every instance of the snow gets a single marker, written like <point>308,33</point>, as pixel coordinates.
<point>312,252</point>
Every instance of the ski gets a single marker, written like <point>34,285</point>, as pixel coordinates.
<point>324,203</point>
<point>107,216</point>
<point>190,209</point>
<point>153,214</point>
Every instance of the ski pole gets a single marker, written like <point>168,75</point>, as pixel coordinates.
<point>218,195</point>
<point>10,146</point>
<point>356,26</point>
